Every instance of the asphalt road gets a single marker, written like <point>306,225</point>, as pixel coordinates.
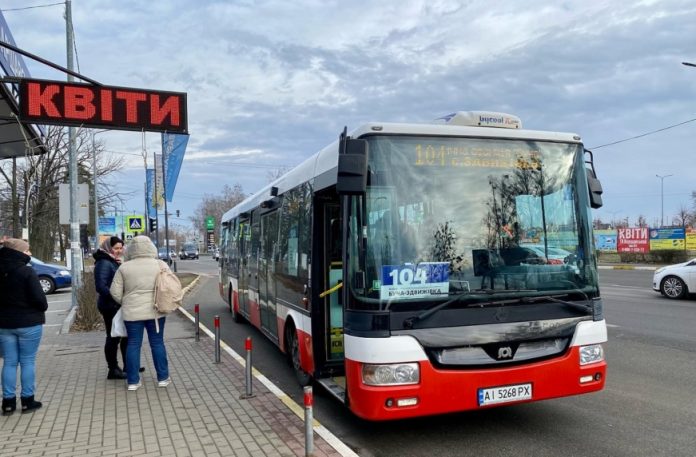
<point>648,407</point>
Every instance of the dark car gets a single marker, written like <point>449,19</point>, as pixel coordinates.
<point>52,277</point>
<point>164,254</point>
<point>189,251</point>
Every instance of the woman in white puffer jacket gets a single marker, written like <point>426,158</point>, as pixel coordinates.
<point>134,288</point>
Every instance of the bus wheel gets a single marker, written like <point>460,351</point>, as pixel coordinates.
<point>293,350</point>
<point>235,315</point>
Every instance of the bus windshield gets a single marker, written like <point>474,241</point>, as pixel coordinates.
<point>453,216</point>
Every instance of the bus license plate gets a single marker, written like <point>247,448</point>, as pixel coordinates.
<point>504,394</point>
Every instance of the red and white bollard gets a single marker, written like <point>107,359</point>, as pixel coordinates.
<point>196,313</point>
<point>309,421</point>
<point>247,370</point>
<point>217,339</point>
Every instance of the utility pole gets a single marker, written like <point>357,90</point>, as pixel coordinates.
<point>75,250</point>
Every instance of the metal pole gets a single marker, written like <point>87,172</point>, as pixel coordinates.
<point>248,393</point>
<point>309,421</point>
<point>94,192</point>
<point>75,250</point>
<point>217,339</point>
<point>166,216</point>
<point>196,313</point>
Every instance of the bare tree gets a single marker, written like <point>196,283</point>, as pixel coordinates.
<point>683,217</point>
<point>216,206</point>
<point>642,221</point>
<point>37,186</point>
<point>272,175</point>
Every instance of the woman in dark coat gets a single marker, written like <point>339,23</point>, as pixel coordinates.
<point>106,261</point>
<point>22,314</point>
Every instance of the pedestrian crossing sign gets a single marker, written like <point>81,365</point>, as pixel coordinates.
<point>135,224</point>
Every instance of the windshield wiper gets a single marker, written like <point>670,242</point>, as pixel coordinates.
<point>408,323</point>
<point>555,299</point>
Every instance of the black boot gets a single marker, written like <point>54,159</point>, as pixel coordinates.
<point>29,404</point>
<point>8,406</point>
<point>116,373</point>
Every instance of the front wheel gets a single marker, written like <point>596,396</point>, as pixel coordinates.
<point>673,287</point>
<point>293,351</point>
<point>47,284</point>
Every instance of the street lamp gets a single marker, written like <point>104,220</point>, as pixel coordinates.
<point>689,64</point>
<point>662,198</point>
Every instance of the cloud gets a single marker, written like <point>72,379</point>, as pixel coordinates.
<point>272,82</point>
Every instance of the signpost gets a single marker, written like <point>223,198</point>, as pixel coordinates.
<point>210,231</point>
<point>135,224</point>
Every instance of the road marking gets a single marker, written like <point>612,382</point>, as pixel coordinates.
<point>59,301</point>
<point>322,431</point>
<point>612,326</point>
<point>628,287</point>
<point>57,311</point>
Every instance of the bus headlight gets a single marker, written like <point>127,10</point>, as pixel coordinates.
<point>591,354</point>
<point>396,374</point>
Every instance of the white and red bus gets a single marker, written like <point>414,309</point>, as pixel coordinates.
<point>395,266</point>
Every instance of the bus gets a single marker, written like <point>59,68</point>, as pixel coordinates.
<point>392,266</point>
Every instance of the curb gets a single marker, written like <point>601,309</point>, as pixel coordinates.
<point>339,446</point>
<point>68,322</point>
<point>625,267</point>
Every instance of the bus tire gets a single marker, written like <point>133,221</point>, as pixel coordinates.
<point>235,315</point>
<point>292,349</point>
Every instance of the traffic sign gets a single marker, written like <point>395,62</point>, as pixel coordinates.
<point>210,223</point>
<point>135,224</point>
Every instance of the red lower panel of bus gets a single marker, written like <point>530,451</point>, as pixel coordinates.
<point>444,391</point>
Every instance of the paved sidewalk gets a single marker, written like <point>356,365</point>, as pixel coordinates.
<point>199,414</point>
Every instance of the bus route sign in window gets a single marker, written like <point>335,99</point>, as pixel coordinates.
<point>414,281</point>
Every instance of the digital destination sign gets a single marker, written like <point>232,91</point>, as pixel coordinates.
<point>123,108</point>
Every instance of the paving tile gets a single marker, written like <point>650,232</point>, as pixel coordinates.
<point>199,414</point>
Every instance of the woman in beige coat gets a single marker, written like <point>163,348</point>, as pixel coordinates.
<point>134,288</point>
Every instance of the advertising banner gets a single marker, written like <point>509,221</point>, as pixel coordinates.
<point>107,226</point>
<point>159,183</point>
<point>605,240</point>
<point>150,181</point>
<point>667,239</point>
<point>173,150</point>
<point>691,239</point>
<point>633,239</point>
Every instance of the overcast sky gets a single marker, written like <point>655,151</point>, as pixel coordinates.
<point>271,82</point>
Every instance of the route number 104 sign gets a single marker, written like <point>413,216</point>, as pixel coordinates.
<point>411,281</point>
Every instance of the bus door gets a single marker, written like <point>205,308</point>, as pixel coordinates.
<point>267,284</point>
<point>244,232</point>
<point>254,256</point>
<point>333,275</point>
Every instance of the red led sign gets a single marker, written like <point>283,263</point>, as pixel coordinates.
<point>125,108</point>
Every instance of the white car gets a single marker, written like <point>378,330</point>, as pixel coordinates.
<point>553,255</point>
<point>675,281</point>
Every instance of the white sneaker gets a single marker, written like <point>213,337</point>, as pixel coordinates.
<point>164,383</point>
<point>135,386</point>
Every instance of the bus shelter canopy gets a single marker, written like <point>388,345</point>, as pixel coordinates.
<point>17,139</point>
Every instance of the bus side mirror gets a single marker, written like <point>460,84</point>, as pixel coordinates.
<point>595,188</point>
<point>352,168</point>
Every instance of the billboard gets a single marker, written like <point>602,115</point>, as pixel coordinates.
<point>634,239</point>
<point>667,238</point>
<point>86,105</point>
<point>605,240</point>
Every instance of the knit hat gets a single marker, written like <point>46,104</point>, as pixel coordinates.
<point>16,244</point>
